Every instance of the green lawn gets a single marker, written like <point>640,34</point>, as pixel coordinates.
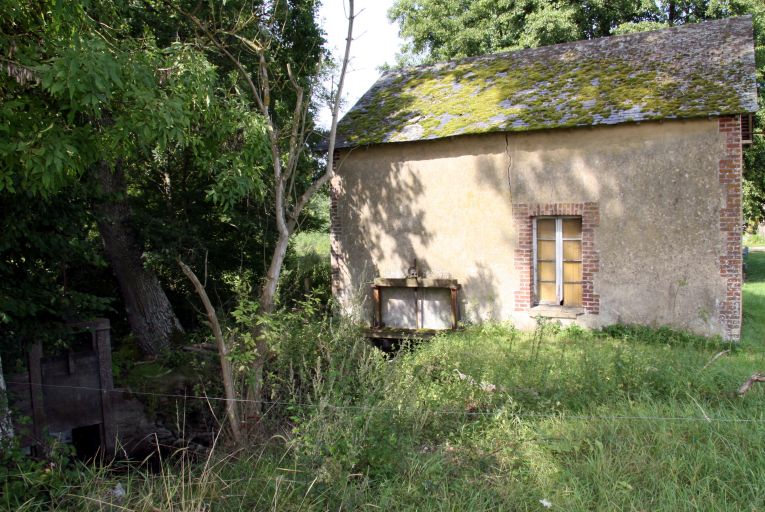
<point>754,240</point>
<point>753,334</point>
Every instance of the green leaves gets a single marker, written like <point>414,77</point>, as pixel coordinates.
<point>84,77</point>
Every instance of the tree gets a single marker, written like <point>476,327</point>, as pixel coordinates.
<point>83,100</point>
<point>292,176</point>
<point>101,104</point>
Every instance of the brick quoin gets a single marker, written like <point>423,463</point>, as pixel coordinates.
<point>523,218</point>
<point>731,221</point>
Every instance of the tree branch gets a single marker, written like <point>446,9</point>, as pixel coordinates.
<point>316,185</point>
<point>236,62</point>
<point>225,364</point>
<point>757,377</point>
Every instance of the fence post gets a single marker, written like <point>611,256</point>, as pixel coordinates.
<point>34,363</point>
<point>102,346</point>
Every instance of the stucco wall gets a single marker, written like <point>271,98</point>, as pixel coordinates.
<point>448,203</point>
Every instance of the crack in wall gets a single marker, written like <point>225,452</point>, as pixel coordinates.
<point>509,162</point>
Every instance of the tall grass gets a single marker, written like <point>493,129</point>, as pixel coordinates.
<point>491,419</point>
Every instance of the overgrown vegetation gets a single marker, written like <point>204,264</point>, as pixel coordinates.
<point>489,418</point>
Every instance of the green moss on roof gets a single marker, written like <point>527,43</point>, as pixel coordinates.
<point>690,71</point>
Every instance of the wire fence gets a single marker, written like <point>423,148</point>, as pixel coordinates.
<point>421,410</point>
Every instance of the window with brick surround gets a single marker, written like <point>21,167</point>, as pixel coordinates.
<point>558,260</point>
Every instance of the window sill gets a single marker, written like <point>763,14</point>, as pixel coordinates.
<point>551,311</point>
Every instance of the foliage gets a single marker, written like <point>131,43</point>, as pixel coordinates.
<point>754,299</point>
<point>140,87</point>
<point>754,240</point>
<point>307,270</point>
<point>49,252</point>
<point>32,483</point>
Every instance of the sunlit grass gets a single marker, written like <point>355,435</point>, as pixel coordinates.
<point>753,334</point>
<point>754,240</point>
<point>307,242</point>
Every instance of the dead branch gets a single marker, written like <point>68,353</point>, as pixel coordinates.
<point>324,178</point>
<point>225,364</point>
<point>201,348</point>
<point>757,377</point>
<point>716,357</point>
<point>19,72</point>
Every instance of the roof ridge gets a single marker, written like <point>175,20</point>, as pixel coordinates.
<point>578,42</point>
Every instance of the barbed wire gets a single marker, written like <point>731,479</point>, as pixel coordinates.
<point>435,411</point>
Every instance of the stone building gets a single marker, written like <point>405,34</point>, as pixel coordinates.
<point>595,182</point>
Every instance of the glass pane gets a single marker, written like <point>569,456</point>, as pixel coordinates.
<point>547,292</point>
<point>572,228</point>
<point>546,271</point>
<point>572,250</point>
<point>546,228</point>
<point>572,294</point>
<point>546,250</point>
<point>572,272</point>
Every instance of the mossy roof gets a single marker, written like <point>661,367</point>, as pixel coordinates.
<point>694,70</point>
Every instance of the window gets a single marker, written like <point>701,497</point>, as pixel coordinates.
<point>558,260</point>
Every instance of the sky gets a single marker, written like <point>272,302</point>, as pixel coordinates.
<point>375,42</point>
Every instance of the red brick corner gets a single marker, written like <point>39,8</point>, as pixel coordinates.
<point>731,222</point>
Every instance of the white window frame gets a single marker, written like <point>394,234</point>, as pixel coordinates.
<point>559,239</point>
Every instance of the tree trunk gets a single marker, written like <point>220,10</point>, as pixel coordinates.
<point>268,292</point>
<point>672,16</point>
<point>149,312</point>
<point>6,427</point>
<point>267,305</point>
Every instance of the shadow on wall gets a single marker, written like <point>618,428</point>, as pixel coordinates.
<point>481,297</point>
<point>648,219</point>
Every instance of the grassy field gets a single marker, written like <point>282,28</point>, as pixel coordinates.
<point>753,335</point>
<point>494,419</point>
<point>754,240</point>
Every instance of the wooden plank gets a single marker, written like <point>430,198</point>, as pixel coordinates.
<point>455,306</point>
<point>377,298</point>
<point>108,427</point>
<point>414,282</point>
<point>34,363</point>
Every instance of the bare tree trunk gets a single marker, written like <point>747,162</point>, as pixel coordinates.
<point>672,14</point>
<point>268,292</point>
<point>6,427</point>
<point>225,364</point>
<point>149,311</point>
<point>286,218</point>
<point>287,212</point>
